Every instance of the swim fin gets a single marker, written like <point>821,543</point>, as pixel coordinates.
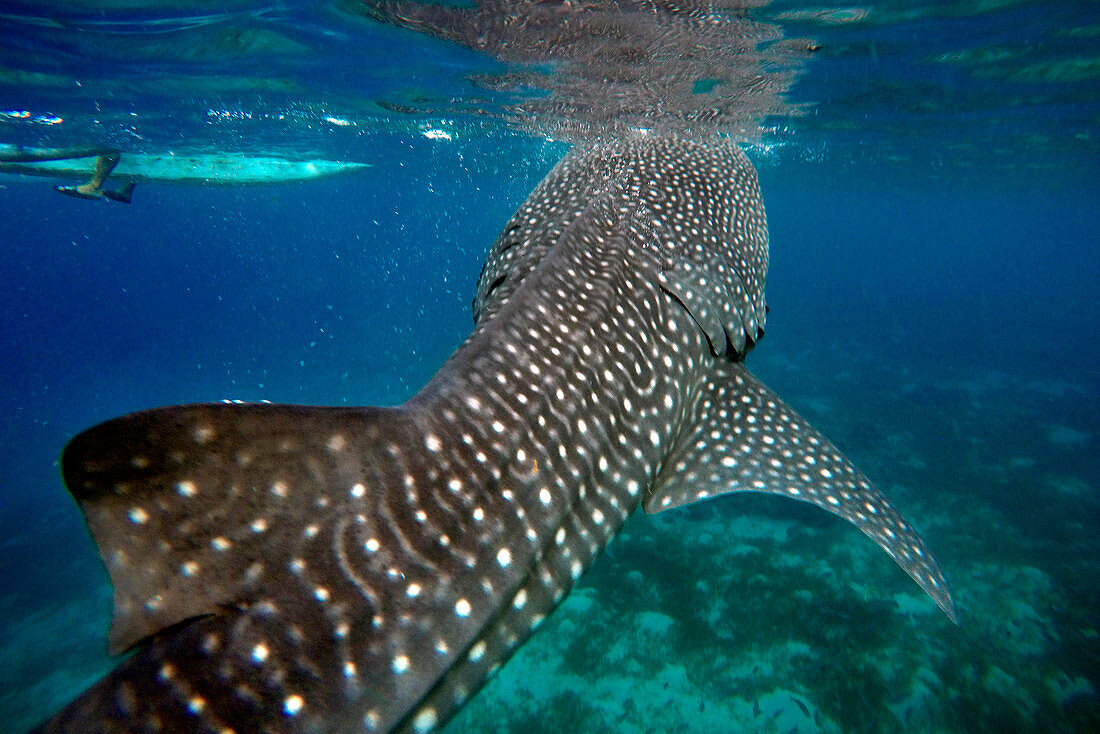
<point>123,194</point>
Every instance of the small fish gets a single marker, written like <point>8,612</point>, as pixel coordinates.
<point>802,706</point>
<point>286,568</point>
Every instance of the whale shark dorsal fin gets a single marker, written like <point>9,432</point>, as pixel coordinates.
<point>743,438</point>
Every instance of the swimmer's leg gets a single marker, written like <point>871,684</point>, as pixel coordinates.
<point>104,164</point>
<point>93,189</point>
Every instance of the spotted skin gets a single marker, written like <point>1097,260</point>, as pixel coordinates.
<point>296,569</point>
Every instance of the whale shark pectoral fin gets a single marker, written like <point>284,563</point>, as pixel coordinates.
<point>197,509</point>
<point>745,439</point>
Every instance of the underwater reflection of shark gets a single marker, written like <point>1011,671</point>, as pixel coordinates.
<point>301,569</point>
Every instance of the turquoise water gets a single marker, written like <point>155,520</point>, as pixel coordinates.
<point>930,177</point>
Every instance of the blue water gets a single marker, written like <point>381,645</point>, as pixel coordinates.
<point>934,310</point>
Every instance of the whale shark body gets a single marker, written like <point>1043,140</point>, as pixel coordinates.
<point>307,569</point>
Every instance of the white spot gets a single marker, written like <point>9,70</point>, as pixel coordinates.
<point>400,664</point>
<point>258,525</point>
<point>477,652</point>
<point>138,516</point>
<point>462,608</point>
<point>432,442</point>
<point>372,544</point>
<point>219,543</point>
<point>521,599</point>
<point>279,489</point>
<point>186,488</point>
<point>425,721</point>
<point>321,593</point>
<point>504,558</point>
<point>358,490</point>
<point>260,653</point>
<point>545,496</point>
<point>189,568</point>
<point>196,705</point>
<point>293,704</point>
<point>413,590</point>
<point>436,134</point>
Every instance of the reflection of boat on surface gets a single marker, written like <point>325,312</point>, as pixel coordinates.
<point>226,169</point>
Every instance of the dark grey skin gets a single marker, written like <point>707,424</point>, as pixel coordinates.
<point>299,569</point>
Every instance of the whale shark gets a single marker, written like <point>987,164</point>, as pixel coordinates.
<point>286,568</point>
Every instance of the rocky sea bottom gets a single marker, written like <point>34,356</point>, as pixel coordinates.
<point>753,613</point>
